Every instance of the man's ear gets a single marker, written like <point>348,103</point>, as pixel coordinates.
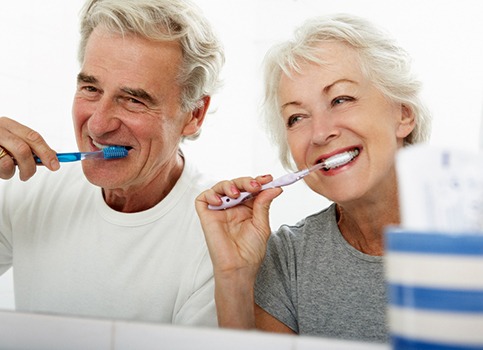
<point>197,116</point>
<point>407,122</point>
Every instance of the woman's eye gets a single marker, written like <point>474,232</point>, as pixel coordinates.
<point>292,120</point>
<point>341,99</point>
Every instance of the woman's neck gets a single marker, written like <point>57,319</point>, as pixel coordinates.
<point>363,226</point>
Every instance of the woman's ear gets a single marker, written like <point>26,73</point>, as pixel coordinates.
<point>197,116</point>
<point>407,122</point>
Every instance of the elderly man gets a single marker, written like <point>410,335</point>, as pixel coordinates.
<point>118,238</point>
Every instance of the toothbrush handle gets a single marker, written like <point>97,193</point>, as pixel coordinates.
<point>231,202</point>
<point>69,157</point>
<point>63,157</point>
<point>284,180</point>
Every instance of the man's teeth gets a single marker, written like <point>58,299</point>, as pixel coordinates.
<point>100,146</point>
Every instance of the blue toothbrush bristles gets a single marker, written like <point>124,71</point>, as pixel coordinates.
<point>114,152</point>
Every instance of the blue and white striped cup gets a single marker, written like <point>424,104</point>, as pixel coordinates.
<point>435,290</point>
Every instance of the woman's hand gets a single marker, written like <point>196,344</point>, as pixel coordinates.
<point>237,240</point>
<point>19,143</point>
<point>237,236</point>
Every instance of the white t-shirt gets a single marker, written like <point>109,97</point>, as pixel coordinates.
<point>72,254</point>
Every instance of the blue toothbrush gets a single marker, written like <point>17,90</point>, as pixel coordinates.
<point>111,152</point>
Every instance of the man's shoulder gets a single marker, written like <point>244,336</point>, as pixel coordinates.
<point>197,180</point>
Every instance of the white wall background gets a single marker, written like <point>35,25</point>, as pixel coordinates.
<point>38,66</point>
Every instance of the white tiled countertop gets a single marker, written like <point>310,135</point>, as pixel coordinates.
<point>40,331</point>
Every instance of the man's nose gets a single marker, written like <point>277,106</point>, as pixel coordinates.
<point>105,118</point>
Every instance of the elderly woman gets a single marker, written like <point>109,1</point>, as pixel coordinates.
<point>341,87</point>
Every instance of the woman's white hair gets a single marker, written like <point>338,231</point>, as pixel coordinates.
<point>385,63</point>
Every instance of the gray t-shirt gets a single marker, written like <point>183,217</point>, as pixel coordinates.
<point>316,283</point>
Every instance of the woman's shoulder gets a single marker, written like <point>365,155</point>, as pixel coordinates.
<point>323,216</point>
<point>323,220</point>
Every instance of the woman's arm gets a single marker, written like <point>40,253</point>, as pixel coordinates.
<point>237,240</point>
<point>234,301</point>
<point>266,322</point>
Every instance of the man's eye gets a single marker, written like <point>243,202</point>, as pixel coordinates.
<point>133,100</point>
<point>90,88</point>
<point>133,104</point>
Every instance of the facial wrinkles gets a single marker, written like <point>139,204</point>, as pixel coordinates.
<point>302,91</point>
<point>370,121</point>
<point>133,73</point>
<point>134,56</point>
<point>310,92</point>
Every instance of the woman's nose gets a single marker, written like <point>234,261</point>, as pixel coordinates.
<point>324,128</point>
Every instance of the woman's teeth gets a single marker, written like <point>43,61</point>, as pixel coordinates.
<point>340,159</point>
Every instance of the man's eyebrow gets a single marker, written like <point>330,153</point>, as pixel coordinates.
<point>84,78</point>
<point>139,93</point>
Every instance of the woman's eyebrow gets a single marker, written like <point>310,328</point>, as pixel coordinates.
<point>292,103</point>
<point>338,82</point>
<point>326,90</point>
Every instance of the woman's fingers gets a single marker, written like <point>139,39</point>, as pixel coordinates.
<point>233,188</point>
